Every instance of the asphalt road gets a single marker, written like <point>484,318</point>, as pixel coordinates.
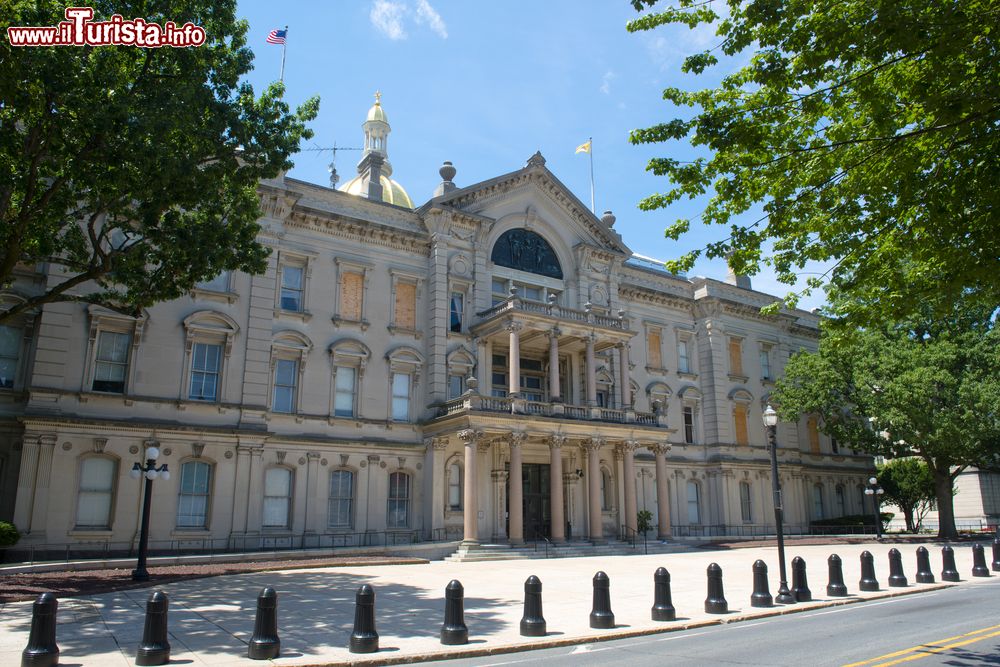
<point>955,626</point>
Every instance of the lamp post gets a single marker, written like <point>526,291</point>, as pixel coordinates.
<point>784,596</point>
<point>150,471</point>
<point>875,491</point>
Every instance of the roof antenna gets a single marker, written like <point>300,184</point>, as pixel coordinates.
<point>332,168</point>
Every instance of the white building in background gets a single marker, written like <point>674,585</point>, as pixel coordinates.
<point>493,365</point>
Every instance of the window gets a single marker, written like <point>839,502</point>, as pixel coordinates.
<point>97,491</point>
<point>112,361</point>
<point>735,356</point>
<point>341,499</point>
<point>532,380</point>
<point>455,386</point>
<point>456,310</point>
<point>192,503</point>
<point>841,502</point>
<point>607,489</point>
<point>398,514</point>
<point>455,486</point>
<point>206,360</point>
<point>765,362</point>
<point>277,497</point>
<point>404,314</point>
<point>683,355</point>
<point>746,509</point>
<point>219,283</point>
<point>740,416</point>
<point>10,349</point>
<point>292,281</point>
<point>343,401</point>
<point>694,503</point>
<point>834,446</point>
<point>498,378</point>
<point>400,397</point>
<point>818,501</point>
<point>654,355</point>
<point>812,426</point>
<point>688,413</point>
<point>286,375</point>
<point>352,291</point>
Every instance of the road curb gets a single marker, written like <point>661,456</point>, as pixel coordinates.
<point>477,652</point>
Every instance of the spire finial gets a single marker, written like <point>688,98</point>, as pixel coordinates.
<point>378,98</point>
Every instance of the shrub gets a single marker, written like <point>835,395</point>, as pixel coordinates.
<point>9,535</point>
<point>644,521</point>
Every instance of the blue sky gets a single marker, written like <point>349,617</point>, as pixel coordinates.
<point>485,85</point>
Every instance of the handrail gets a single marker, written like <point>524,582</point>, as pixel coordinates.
<point>630,535</point>
<point>548,542</point>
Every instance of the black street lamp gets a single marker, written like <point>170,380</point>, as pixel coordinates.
<point>784,596</point>
<point>151,472</point>
<point>875,491</point>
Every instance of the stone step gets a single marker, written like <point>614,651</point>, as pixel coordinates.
<point>492,552</point>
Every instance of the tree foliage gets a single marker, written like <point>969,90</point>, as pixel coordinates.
<point>904,389</point>
<point>132,172</point>
<point>868,132</point>
<point>909,485</point>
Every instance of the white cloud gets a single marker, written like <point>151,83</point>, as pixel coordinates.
<point>427,15</point>
<point>606,80</point>
<point>387,17</point>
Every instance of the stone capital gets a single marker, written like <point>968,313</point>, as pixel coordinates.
<point>436,444</point>
<point>659,448</point>
<point>516,438</point>
<point>556,441</point>
<point>470,435</point>
<point>592,443</point>
<point>513,327</point>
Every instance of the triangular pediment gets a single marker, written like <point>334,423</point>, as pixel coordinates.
<point>536,192</point>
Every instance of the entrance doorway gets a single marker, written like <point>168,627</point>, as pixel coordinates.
<point>537,500</point>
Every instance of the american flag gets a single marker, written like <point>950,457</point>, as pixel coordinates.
<point>277,36</point>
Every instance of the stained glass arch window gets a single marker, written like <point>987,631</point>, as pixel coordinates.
<point>525,250</point>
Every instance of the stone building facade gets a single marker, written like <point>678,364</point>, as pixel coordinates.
<point>493,365</point>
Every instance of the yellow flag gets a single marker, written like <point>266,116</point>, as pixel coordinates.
<point>584,147</point>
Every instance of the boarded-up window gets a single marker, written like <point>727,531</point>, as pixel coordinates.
<point>813,426</point>
<point>351,296</point>
<point>735,356</point>
<point>654,356</point>
<point>406,305</point>
<point>740,422</point>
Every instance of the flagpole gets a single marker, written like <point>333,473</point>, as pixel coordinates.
<point>284,45</point>
<point>590,140</point>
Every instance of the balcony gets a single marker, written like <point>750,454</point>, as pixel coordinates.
<point>515,304</point>
<point>474,402</point>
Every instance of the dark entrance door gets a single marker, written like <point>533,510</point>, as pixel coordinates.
<point>537,510</point>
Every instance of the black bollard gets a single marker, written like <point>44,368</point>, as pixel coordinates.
<point>663,607</point>
<point>533,623</point>
<point>154,648</point>
<point>800,586</point>
<point>41,650</point>
<point>364,639</point>
<point>948,570</point>
<point>896,577</point>
<point>868,581</point>
<point>761,593</point>
<point>924,574</point>
<point>454,630</point>
<point>265,644</point>
<point>996,554</point>
<point>836,588</point>
<point>979,568</point>
<point>715,603</point>
<point>601,616</point>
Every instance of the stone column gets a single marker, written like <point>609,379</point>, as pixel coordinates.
<point>626,392</point>
<point>558,528</point>
<point>255,507</point>
<point>241,499</point>
<point>514,360</point>
<point>435,463</point>
<point>593,447</point>
<point>40,508</point>
<point>471,438</point>
<point>313,494</point>
<point>628,469</point>
<point>516,492</point>
<point>662,500</point>
<point>555,391</point>
<point>591,372</point>
<point>25,501</point>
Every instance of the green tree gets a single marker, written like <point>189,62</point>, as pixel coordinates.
<point>867,132</point>
<point>909,485</point>
<point>132,172</point>
<point>906,390</point>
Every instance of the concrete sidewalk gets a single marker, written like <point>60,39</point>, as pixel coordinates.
<point>211,620</point>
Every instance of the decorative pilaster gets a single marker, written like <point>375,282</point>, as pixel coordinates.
<point>312,493</point>
<point>435,463</point>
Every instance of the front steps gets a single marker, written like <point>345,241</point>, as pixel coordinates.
<point>488,552</point>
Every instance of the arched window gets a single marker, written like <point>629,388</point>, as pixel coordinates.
<point>95,498</point>
<point>455,486</point>
<point>525,250</point>
<point>398,512</point>
<point>746,508</point>
<point>277,497</point>
<point>818,502</point>
<point>195,489</point>
<point>694,502</point>
<point>341,503</point>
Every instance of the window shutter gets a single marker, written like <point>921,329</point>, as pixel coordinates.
<point>654,356</point>
<point>813,427</point>
<point>351,295</point>
<point>735,357</point>
<point>406,305</point>
<point>740,419</point>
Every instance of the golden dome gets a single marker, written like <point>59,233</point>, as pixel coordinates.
<point>377,112</point>
<point>392,192</point>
